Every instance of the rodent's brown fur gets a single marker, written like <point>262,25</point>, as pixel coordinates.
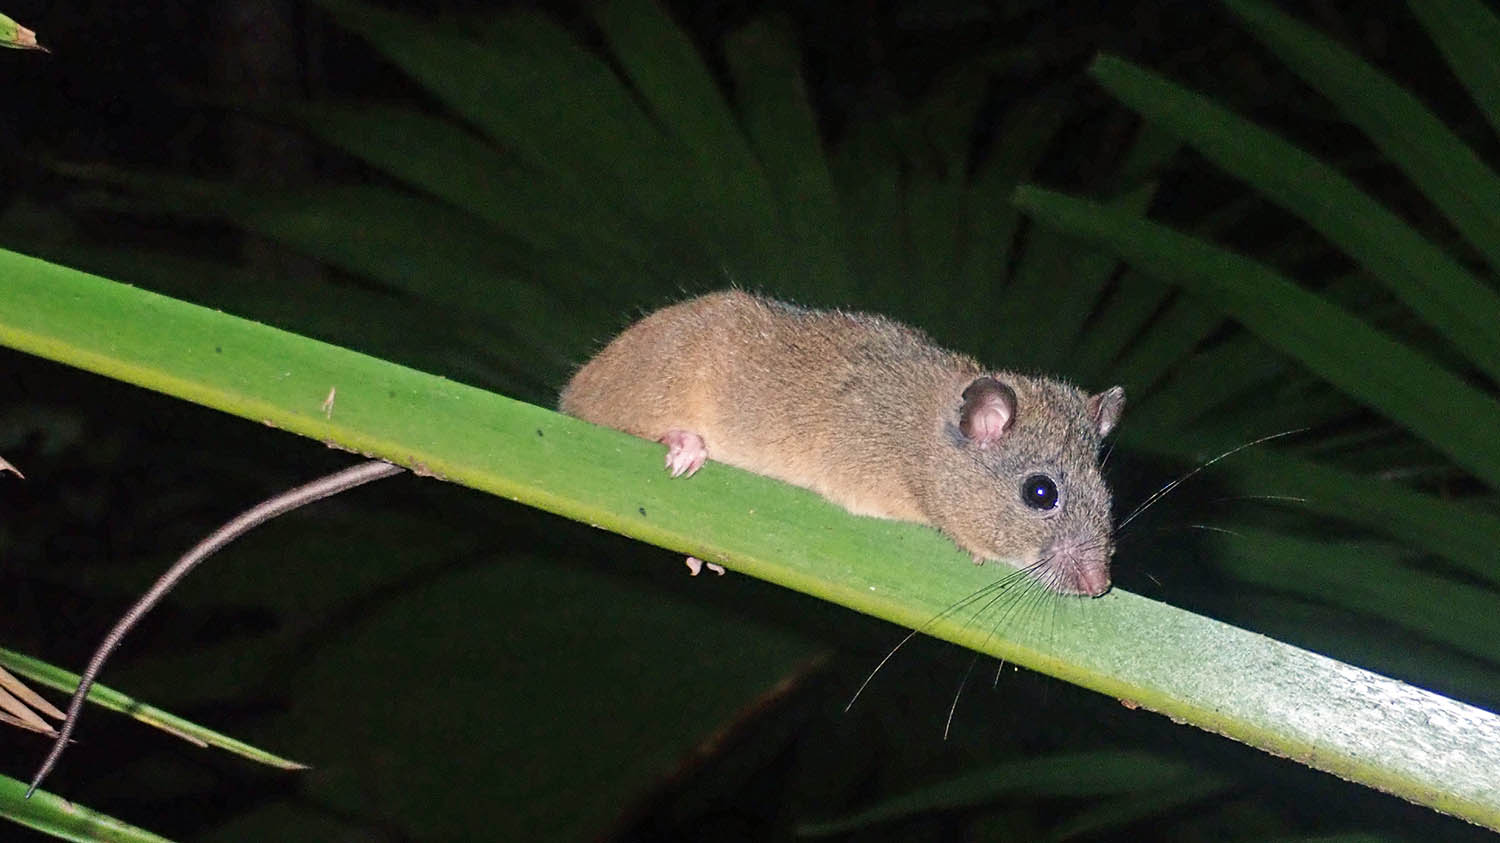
<point>864,411</point>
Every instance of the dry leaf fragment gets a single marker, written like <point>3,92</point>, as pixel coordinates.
<point>18,37</point>
<point>17,702</point>
<point>17,710</point>
<point>28,726</point>
<point>9,682</point>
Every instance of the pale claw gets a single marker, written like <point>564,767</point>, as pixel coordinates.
<point>686,452</point>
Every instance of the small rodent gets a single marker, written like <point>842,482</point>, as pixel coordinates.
<point>873,416</point>
<point>863,410</point>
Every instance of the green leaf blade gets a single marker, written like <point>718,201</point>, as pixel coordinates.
<point>1328,340</point>
<point>1466,32</point>
<point>56,678</point>
<point>1447,170</point>
<point>66,820</point>
<point>1424,277</point>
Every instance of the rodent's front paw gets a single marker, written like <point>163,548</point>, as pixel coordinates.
<point>686,452</point>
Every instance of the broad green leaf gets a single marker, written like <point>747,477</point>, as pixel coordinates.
<point>1174,333</point>
<point>1423,276</point>
<point>1291,702</point>
<point>1328,340</point>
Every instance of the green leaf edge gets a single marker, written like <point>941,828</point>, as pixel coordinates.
<point>60,818</point>
<point>55,677</point>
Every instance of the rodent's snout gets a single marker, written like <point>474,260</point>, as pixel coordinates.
<point>1078,566</point>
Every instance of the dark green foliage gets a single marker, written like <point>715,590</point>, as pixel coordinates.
<point>554,182</point>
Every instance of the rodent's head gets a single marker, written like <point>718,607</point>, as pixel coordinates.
<point>1020,478</point>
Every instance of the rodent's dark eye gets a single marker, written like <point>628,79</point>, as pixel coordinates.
<point>1039,492</point>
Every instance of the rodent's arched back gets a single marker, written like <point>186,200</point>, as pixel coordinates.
<point>857,407</point>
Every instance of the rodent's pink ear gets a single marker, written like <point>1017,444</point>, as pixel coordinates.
<point>989,408</point>
<point>1105,409</point>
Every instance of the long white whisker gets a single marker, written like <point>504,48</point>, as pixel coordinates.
<point>975,595</point>
<point>948,726</point>
<point>1163,491</point>
<point>1285,498</point>
<point>1212,529</point>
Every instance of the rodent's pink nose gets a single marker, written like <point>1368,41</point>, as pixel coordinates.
<point>1091,578</point>
<point>1075,569</point>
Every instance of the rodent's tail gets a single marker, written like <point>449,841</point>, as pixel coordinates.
<point>243,523</point>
